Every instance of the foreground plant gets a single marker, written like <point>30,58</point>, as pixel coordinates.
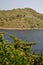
<point>17,53</point>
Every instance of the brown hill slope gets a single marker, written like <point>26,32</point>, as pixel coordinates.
<point>21,18</point>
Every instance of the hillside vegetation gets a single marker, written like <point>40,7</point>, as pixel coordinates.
<point>21,18</point>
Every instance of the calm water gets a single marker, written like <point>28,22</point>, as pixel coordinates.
<point>29,35</point>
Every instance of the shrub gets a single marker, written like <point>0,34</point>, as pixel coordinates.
<point>11,55</point>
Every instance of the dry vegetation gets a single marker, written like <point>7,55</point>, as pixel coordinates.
<point>21,18</point>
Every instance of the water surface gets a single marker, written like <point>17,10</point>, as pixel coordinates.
<point>29,35</point>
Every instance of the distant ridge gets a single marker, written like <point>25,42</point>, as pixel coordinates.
<point>21,18</point>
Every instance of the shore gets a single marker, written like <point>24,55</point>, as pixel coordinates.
<point>20,28</point>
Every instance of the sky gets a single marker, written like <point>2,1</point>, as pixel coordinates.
<point>12,4</point>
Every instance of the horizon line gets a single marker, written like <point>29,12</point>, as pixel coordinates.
<point>20,8</point>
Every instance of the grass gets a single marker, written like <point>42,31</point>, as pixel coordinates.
<point>21,18</point>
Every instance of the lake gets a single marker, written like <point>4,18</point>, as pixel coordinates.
<point>29,35</point>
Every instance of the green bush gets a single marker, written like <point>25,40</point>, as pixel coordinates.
<point>17,53</point>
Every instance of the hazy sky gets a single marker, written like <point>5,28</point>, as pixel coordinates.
<point>10,4</point>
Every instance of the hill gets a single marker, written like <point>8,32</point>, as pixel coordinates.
<point>21,18</point>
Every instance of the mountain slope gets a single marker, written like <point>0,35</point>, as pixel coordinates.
<point>21,18</point>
